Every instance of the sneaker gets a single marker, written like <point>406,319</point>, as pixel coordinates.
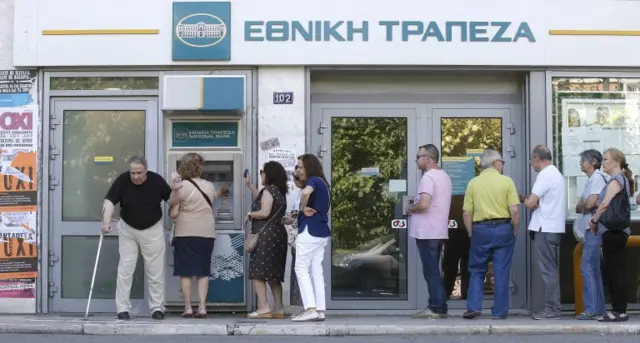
<point>306,316</point>
<point>157,315</point>
<point>123,315</point>
<point>586,316</point>
<point>471,314</point>
<point>495,317</point>
<point>545,315</point>
<point>429,314</point>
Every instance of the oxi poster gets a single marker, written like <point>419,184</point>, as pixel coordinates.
<point>18,200</point>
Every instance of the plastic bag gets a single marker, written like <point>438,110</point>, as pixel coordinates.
<point>579,228</point>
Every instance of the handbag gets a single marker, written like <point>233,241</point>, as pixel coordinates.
<point>251,240</point>
<point>617,216</point>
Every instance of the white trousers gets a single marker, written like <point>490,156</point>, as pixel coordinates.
<point>151,243</point>
<point>309,271</point>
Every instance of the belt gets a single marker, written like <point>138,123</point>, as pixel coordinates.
<point>497,221</point>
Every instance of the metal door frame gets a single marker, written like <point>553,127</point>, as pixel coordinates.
<point>57,108</point>
<point>321,146</point>
<point>513,152</point>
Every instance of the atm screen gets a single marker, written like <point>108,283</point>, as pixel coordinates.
<point>220,173</point>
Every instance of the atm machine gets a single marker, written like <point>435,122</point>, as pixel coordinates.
<point>206,114</point>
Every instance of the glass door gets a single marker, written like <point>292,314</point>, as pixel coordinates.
<point>368,156</point>
<point>462,133</point>
<point>90,146</point>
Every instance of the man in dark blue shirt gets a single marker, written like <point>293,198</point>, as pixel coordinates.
<point>140,194</point>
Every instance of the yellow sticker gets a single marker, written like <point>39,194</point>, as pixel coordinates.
<point>103,159</point>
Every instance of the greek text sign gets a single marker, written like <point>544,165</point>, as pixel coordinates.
<point>393,30</point>
<point>205,134</point>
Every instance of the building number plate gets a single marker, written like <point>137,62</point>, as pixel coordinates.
<point>282,98</point>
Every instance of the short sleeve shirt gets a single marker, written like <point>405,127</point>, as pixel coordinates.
<point>551,214</point>
<point>434,222</point>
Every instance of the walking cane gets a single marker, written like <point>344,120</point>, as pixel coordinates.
<point>93,278</point>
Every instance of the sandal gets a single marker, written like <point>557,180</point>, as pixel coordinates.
<point>256,315</point>
<point>202,313</point>
<point>611,317</point>
<point>278,316</point>
<point>188,313</point>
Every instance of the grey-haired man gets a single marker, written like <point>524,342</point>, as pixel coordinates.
<point>140,193</point>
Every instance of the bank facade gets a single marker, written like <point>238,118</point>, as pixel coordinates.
<point>361,85</point>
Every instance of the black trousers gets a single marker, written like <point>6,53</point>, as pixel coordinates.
<point>456,250</point>
<point>615,263</point>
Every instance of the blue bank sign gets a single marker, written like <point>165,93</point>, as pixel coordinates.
<point>388,30</point>
<point>201,31</point>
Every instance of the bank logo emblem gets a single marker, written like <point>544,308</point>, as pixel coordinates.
<point>180,134</point>
<point>201,30</point>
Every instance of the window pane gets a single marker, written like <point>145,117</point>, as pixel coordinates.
<point>594,113</point>
<point>103,83</point>
<point>463,140</point>
<point>369,259</point>
<point>87,135</point>
<point>78,260</point>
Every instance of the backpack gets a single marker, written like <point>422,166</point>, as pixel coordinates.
<point>617,217</point>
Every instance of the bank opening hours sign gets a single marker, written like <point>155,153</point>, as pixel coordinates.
<point>205,134</point>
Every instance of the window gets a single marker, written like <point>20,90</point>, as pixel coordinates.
<point>594,113</point>
<point>103,83</point>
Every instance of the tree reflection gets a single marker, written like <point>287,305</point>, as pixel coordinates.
<point>87,134</point>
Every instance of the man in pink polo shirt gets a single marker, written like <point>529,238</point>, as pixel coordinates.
<point>429,225</point>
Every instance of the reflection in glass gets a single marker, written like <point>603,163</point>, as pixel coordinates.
<point>78,257</point>
<point>369,259</point>
<point>594,113</point>
<point>90,134</point>
<point>463,140</point>
<point>103,83</point>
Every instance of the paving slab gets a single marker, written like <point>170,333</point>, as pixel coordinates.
<point>333,326</point>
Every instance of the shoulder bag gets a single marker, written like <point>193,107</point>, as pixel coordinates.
<point>251,240</point>
<point>173,226</point>
<point>617,216</point>
<point>201,192</point>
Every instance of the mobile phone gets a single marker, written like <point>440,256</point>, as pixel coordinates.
<point>246,173</point>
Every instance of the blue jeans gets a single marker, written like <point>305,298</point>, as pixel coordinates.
<point>499,241</point>
<point>430,250</point>
<point>592,275</point>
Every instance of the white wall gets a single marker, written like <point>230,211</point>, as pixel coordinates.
<point>251,45</point>
<point>286,123</point>
<point>8,305</point>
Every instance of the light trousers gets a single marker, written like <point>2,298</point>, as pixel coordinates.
<point>309,271</point>
<point>151,243</point>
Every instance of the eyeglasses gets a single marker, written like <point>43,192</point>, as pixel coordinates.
<point>418,156</point>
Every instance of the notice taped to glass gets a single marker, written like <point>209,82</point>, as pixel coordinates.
<point>18,149</point>
<point>17,81</point>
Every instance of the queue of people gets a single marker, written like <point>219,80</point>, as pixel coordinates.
<point>491,213</point>
<point>140,193</point>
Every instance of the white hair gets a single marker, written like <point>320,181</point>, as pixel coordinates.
<point>489,156</point>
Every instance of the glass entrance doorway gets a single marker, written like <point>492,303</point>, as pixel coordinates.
<point>92,141</point>
<point>368,152</point>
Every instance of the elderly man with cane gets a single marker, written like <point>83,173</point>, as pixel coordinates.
<point>140,193</point>
<point>491,216</point>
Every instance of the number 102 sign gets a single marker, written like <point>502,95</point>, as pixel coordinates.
<point>282,98</point>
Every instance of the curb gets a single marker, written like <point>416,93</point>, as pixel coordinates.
<point>110,329</point>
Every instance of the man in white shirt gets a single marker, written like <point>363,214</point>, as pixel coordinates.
<point>549,205</point>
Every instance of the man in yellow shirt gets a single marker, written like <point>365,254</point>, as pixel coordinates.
<point>491,217</point>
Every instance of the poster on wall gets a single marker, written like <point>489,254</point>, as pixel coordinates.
<point>18,147</point>
<point>16,87</point>
<point>18,198</point>
<point>18,289</point>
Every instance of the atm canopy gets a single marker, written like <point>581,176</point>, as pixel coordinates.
<point>207,94</point>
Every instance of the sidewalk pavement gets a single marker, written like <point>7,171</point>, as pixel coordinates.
<point>333,326</point>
